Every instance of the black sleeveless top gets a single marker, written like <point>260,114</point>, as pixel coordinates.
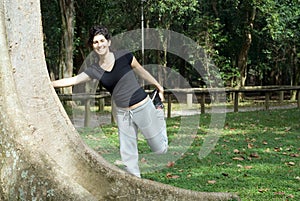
<point>121,81</point>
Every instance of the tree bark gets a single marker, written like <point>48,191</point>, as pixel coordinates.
<point>67,43</point>
<point>42,155</point>
<point>296,74</point>
<point>243,55</point>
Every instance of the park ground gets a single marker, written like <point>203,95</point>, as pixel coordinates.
<point>257,155</point>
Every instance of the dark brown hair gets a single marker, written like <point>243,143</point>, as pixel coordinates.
<point>96,30</point>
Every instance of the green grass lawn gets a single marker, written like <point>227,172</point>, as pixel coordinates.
<point>257,155</point>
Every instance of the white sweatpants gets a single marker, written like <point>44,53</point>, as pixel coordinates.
<point>151,123</point>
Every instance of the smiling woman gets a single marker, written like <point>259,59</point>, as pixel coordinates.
<point>134,109</point>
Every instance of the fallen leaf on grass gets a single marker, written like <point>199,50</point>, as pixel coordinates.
<point>220,164</point>
<point>250,140</point>
<point>288,149</point>
<point>290,164</point>
<point>277,149</point>
<point>254,155</point>
<point>247,167</point>
<point>277,138</point>
<point>287,129</point>
<point>279,193</point>
<point>211,181</point>
<point>170,176</point>
<point>250,146</point>
<point>170,164</point>
<point>262,190</point>
<point>93,138</point>
<point>238,158</point>
<point>236,151</point>
<point>294,155</point>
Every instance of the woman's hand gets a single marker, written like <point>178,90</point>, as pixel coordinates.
<point>161,93</point>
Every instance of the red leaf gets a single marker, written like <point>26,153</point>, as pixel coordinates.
<point>170,176</point>
<point>254,155</point>
<point>170,164</point>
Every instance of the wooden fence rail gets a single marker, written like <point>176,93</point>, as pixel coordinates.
<point>203,92</point>
<point>86,98</point>
<point>200,92</point>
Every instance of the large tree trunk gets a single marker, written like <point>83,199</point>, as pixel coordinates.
<point>42,155</point>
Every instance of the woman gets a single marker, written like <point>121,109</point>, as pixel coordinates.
<point>134,109</point>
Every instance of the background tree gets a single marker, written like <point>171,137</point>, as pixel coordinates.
<point>282,29</point>
<point>67,42</point>
<point>247,40</point>
<point>51,19</point>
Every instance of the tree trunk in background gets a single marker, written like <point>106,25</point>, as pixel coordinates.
<point>295,78</point>
<point>42,155</point>
<point>67,42</point>
<point>243,54</point>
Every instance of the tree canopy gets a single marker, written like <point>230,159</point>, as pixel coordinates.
<point>247,40</point>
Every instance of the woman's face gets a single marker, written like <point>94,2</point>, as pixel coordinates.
<point>101,44</point>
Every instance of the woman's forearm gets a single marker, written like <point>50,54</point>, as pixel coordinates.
<point>145,75</point>
<point>67,82</point>
<point>150,79</point>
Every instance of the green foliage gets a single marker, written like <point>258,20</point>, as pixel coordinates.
<point>217,26</point>
<point>51,20</point>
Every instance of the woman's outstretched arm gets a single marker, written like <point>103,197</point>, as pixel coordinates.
<point>66,82</point>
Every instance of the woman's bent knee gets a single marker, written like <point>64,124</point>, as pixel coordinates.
<point>162,151</point>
